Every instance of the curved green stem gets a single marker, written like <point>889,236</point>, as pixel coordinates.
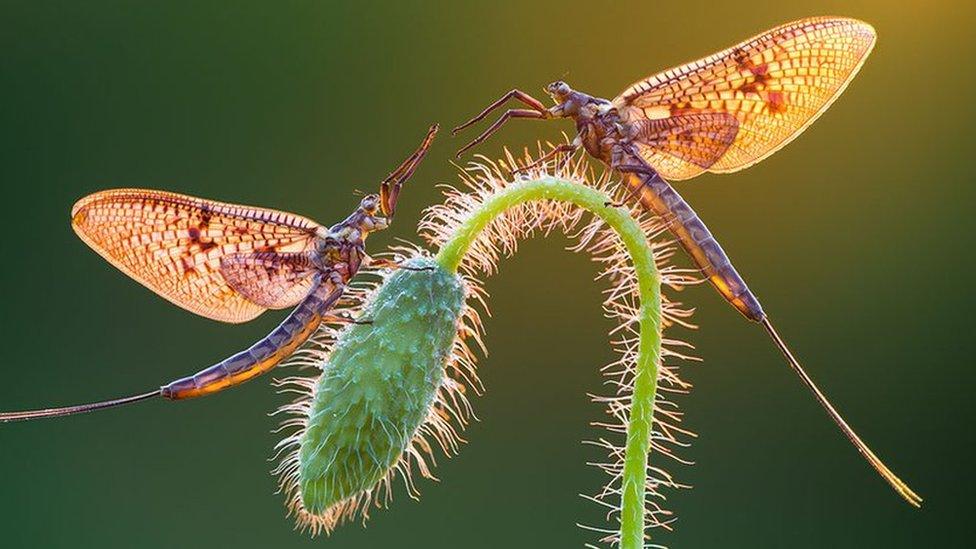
<point>638,443</point>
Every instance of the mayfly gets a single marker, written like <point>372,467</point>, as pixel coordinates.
<point>231,263</point>
<point>719,114</point>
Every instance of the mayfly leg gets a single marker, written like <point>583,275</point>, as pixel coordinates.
<point>509,114</point>
<point>516,94</point>
<point>392,264</point>
<point>390,187</point>
<point>537,111</point>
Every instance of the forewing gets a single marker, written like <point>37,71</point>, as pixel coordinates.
<point>775,85</point>
<point>270,279</point>
<point>173,244</point>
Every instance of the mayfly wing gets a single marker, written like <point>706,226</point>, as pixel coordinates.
<point>272,280</point>
<point>686,141</point>
<point>774,85</point>
<point>177,245</point>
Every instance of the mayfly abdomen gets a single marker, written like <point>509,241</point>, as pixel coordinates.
<point>659,197</point>
<point>264,355</point>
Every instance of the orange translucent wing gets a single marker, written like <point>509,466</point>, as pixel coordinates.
<point>685,145</point>
<point>173,244</point>
<point>270,279</point>
<point>775,85</point>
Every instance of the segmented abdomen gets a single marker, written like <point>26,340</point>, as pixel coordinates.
<point>266,353</point>
<point>659,197</point>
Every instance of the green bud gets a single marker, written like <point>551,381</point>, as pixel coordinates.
<point>378,386</point>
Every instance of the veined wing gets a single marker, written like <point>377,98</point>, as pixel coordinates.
<point>174,245</point>
<point>270,279</point>
<point>686,141</point>
<point>774,85</point>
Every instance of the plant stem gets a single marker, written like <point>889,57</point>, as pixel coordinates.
<point>639,425</point>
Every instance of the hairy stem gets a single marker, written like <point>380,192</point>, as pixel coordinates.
<point>639,425</point>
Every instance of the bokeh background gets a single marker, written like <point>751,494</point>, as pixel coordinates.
<point>857,237</point>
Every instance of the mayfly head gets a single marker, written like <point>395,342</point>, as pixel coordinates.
<point>355,228</point>
<point>569,102</point>
<point>369,204</point>
<point>559,91</point>
<point>368,220</point>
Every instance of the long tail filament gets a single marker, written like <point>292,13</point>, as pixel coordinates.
<point>73,410</point>
<point>903,490</point>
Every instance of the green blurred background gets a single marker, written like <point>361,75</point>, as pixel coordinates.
<point>857,237</point>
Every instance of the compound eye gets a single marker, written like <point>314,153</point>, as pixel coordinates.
<point>370,203</point>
